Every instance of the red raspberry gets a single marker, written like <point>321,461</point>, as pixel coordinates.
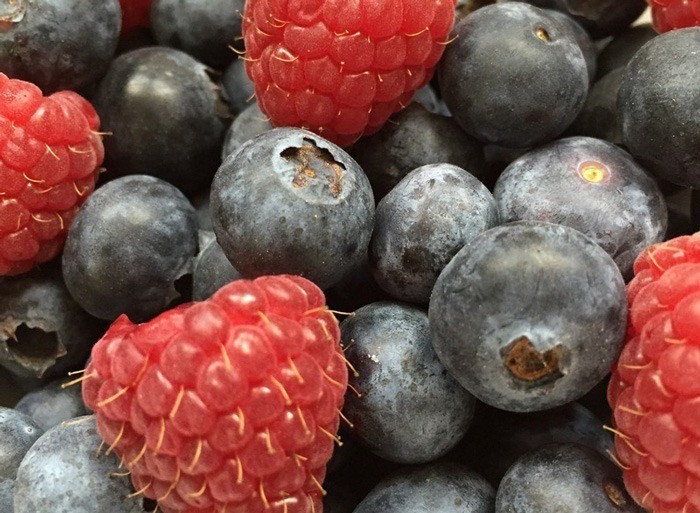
<point>49,156</point>
<point>655,388</point>
<point>135,13</point>
<point>674,14</point>
<point>341,67</point>
<point>231,404</point>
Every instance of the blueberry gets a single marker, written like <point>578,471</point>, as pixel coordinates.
<point>499,438</point>
<point>440,487</point>
<point>212,270</point>
<point>201,205</point>
<point>529,315</point>
<point>658,103</point>
<point>695,210</point>
<point>291,202</point>
<point>411,410</point>
<point>6,495</point>
<point>238,87</point>
<point>18,433</point>
<point>599,115</point>
<point>43,331</point>
<point>202,28</point>
<point>429,99</point>
<point>248,125</point>
<point>53,404</point>
<point>564,477</point>
<point>422,223</point>
<point>60,474</point>
<point>62,44</point>
<point>513,98</point>
<point>130,242</point>
<point>592,186</point>
<point>414,138</point>
<point>165,115</point>
<point>588,48</point>
<point>358,288</point>
<point>622,48</point>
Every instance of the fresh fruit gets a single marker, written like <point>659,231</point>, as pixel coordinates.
<point>486,94</point>
<point>529,315</point>
<point>50,158</point>
<point>18,432</point>
<point>599,115</point>
<point>291,202</point>
<point>674,14</point>
<point>656,114</point>
<point>211,271</point>
<point>404,407</point>
<point>622,48</point>
<point>135,13</point>
<point>250,123</point>
<point>231,404</point>
<point>591,185</point>
<point>53,404</point>
<point>655,390</point>
<point>239,88</point>
<point>342,68</point>
<point>128,246</point>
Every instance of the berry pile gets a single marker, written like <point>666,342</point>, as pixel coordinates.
<point>350,256</point>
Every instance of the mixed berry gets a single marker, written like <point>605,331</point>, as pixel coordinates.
<point>350,256</point>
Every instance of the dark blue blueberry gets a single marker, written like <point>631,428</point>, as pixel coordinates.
<point>498,438</point>
<point>411,139</point>
<point>212,270</point>
<point>513,98</point>
<point>429,99</point>
<point>6,495</point>
<point>201,205</point>
<point>658,104</point>
<point>238,87</point>
<point>588,48</point>
<point>436,488</point>
<point>128,245</point>
<point>18,433</point>
<point>61,44</point>
<point>411,410</point>
<point>43,331</point>
<point>291,202</point>
<point>695,210</point>
<point>53,404</point>
<point>165,115</point>
<point>529,315</point>
<point>60,474</point>
<point>592,186</point>
<point>249,124</point>
<point>422,223</point>
<point>202,28</point>
<point>564,477</point>
<point>599,115</point>
<point>622,48</point>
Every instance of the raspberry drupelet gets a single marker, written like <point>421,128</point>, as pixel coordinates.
<point>50,153</point>
<point>655,388</point>
<point>340,68</point>
<point>674,14</point>
<point>228,405</point>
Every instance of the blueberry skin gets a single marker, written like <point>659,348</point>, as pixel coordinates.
<point>238,87</point>
<point>619,52</point>
<point>53,404</point>
<point>6,495</point>
<point>695,210</point>
<point>658,103</point>
<point>513,98</point>
<point>18,433</point>
<point>212,270</point>
<point>131,240</point>
<point>564,477</point>
<point>422,223</point>
<point>202,28</point>
<point>165,115</point>
<point>62,44</point>
<point>291,202</point>
<point>248,125</point>
<point>624,213</point>
<point>411,410</point>
<point>440,487</point>
<point>413,138</point>
<point>599,115</point>
<point>44,332</point>
<point>529,315</point>
<point>61,474</point>
<point>588,48</point>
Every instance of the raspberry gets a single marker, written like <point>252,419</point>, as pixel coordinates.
<point>50,151</point>
<point>135,13</point>
<point>674,14</point>
<point>655,388</point>
<point>340,68</point>
<point>231,404</point>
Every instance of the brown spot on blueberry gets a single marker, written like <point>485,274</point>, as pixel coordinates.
<point>528,364</point>
<point>313,161</point>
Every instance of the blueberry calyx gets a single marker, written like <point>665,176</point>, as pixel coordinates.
<point>527,364</point>
<point>312,161</point>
